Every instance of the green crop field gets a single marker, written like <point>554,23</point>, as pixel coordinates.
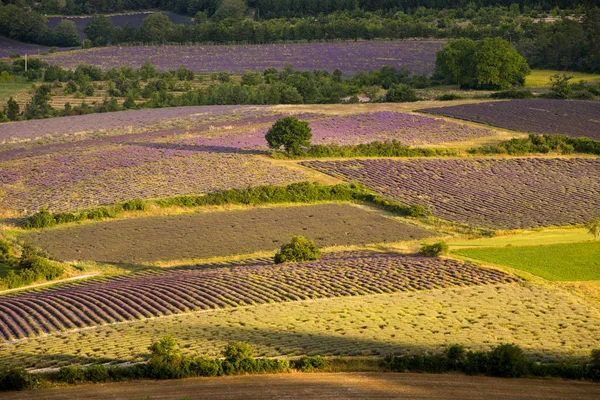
<point>558,262</point>
<point>541,77</point>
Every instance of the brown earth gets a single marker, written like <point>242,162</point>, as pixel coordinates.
<point>220,234</point>
<point>326,386</point>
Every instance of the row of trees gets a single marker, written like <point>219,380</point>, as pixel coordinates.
<point>286,8</point>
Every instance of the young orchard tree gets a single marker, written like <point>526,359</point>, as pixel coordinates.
<point>290,133</point>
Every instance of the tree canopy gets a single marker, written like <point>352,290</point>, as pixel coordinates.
<point>290,133</point>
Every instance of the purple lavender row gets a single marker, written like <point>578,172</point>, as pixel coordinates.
<point>163,293</point>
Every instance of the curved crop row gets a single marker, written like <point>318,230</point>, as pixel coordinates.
<point>492,193</point>
<point>161,293</point>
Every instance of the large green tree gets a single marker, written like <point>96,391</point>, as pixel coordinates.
<point>65,34</point>
<point>99,30</point>
<point>290,133</point>
<point>491,63</point>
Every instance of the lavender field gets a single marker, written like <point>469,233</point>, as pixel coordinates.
<point>493,193</point>
<point>574,118</point>
<point>8,47</point>
<point>150,294</point>
<point>416,56</point>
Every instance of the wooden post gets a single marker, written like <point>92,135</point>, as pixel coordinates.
<point>25,62</point>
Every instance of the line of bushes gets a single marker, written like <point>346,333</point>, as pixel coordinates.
<point>166,362</point>
<point>535,143</point>
<point>505,360</point>
<point>301,192</point>
<point>391,148</point>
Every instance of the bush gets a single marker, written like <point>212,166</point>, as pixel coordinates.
<point>299,249</point>
<point>17,379</point>
<point>513,94</point>
<point>309,363</point>
<point>449,97</point>
<point>41,219</point>
<point>135,205</point>
<point>237,351</point>
<point>72,375</point>
<point>290,133</point>
<point>435,249</point>
<point>96,373</point>
<point>400,94</point>
<point>507,360</point>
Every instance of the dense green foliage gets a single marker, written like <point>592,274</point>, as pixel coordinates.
<point>299,249</point>
<point>535,143</point>
<point>557,262</point>
<point>30,267</point>
<point>491,63</point>
<point>434,249</point>
<point>373,149</point>
<point>504,360</point>
<point>593,227</point>
<point>291,133</point>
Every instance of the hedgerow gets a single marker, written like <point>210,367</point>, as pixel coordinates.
<point>504,360</point>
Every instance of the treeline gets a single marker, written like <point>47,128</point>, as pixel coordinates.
<point>287,8</point>
<point>147,88</point>
<point>167,362</point>
<point>27,268</point>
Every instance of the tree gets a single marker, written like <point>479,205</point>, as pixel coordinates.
<point>5,77</point>
<point>400,93</point>
<point>236,351</point>
<point>491,63</point>
<point>290,133</point>
<point>435,249</point>
<point>593,227</point>
<point>560,88</point>
<point>165,350</point>
<point>99,30</point>
<point>155,28</point>
<point>65,34</point>
<point>13,110</point>
<point>234,9</point>
<point>299,249</point>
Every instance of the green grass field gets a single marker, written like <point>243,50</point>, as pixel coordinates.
<point>533,237</point>
<point>541,77</point>
<point>11,88</point>
<point>557,262</point>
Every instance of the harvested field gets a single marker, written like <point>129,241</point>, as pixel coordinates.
<point>371,385</point>
<point>218,234</point>
<point>493,193</point>
<point>416,56</point>
<point>574,118</point>
<point>549,324</point>
<point>147,294</point>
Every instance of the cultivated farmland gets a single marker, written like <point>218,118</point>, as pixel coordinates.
<point>568,117</point>
<point>548,323</point>
<point>494,193</point>
<point>416,56</point>
<point>8,47</point>
<point>218,234</point>
<point>152,294</point>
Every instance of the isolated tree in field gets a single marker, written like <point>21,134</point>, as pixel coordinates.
<point>290,133</point>
<point>13,110</point>
<point>593,226</point>
<point>435,249</point>
<point>491,63</point>
<point>299,249</point>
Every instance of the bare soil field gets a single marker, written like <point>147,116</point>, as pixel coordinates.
<point>573,118</point>
<point>219,234</point>
<point>370,385</point>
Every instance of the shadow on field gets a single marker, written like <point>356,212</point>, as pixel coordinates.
<point>132,267</point>
<point>49,360</point>
<point>199,148</point>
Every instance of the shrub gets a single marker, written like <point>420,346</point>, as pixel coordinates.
<point>72,375</point>
<point>417,210</point>
<point>290,133</point>
<point>507,360</point>
<point>165,351</point>
<point>435,249</point>
<point>17,379</point>
<point>96,373</point>
<point>41,219</point>
<point>593,227</point>
<point>513,94</point>
<point>449,97</point>
<point>135,205</point>
<point>299,249</point>
<point>401,93</point>
<point>309,363</point>
<point>236,351</point>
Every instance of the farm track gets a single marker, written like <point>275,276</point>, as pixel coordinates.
<point>369,385</point>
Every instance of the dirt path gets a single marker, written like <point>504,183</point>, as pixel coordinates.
<point>326,386</point>
<point>74,278</point>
